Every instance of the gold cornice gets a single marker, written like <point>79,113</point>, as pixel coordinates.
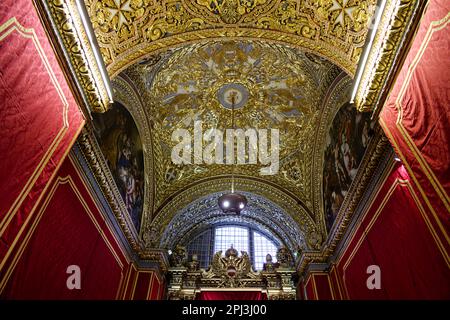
<point>65,22</point>
<point>376,151</point>
<point>129,58</point>
<point>254,179</point>
<point>124,93</point>
<point>397,26</point>
<point>155,255</point>
<point>93,156</point>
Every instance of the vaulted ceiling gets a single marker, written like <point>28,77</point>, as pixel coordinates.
<point>285,88</point>
<point>291,61</point>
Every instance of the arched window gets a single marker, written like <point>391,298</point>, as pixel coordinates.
<point>228,236</point>
<point>243,238</point>
<point>261,247</point>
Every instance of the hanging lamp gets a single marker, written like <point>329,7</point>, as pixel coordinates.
<point>232,202</point>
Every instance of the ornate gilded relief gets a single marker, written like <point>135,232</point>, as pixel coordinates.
<point>129,30</point>
<point>233,270</point>
<point>231,12</point>
<point>398,21</point>
<point>67,28</point>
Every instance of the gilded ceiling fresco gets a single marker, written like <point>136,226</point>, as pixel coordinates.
<point>279,88</point>
<point>128,30</point>
<point>281,65</point>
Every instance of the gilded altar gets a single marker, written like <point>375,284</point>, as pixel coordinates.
<point>231,272</point>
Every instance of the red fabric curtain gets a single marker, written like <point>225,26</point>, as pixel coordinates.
<point>39,121</point>
<point>231,295</point>
<point>416,117</point>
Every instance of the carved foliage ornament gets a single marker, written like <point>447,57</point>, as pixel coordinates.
<point>398,21</point>
<point>128,30</point>
<point>69,30</point>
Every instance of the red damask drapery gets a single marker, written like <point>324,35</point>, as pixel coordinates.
<point>416,116</point>
<point>39,121</point>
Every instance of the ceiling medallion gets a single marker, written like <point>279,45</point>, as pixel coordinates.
<point>233,91</point>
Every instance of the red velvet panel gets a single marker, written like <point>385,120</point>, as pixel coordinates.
<point>323,286</point>
<point>416,117</point>
<point>141,292</point>
<point>68,230</point>
<point>231,295</point>
<point>142,285</point>
<point>335,284</point>
<point>309,289</point>
<point>155,293</point>
<point>39,118</point>
<point>395,236</point>
<point>129,283</point>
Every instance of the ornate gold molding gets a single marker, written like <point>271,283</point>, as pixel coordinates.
<point>337,95</point>
<point>397,24</point>
<point>92,155</point>
<point>126,94</point>
<point>155,255</point>
<point>231,272</point>
<point>375,152</point>
<point>128,31</point>
<point>68,31</point>
<point>94,158</point>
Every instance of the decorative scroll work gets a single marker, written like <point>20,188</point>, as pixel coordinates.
<point>67,27</point>
<point>398,21</point>
<point>231,271</point>
<point>128,30</point>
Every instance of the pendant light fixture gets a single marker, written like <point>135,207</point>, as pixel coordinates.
<point>232,202</point>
